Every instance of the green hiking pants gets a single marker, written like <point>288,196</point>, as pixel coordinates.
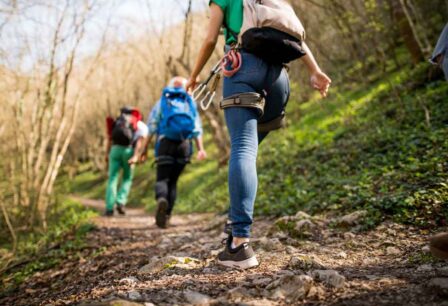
<point>118,159</point>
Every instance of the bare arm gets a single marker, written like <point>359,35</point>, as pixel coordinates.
<point>200,147</point>
<point>209,44</point>
<point>137,150</point>
<point>319,80</point>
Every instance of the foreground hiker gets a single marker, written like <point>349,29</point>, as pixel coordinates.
<point>440,54</point>
<point>256,90</point>
<point>439,243</point>
<point>126,135</point>
<point>175,122</point>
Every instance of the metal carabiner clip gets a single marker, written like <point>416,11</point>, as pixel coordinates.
<point>202,91</point>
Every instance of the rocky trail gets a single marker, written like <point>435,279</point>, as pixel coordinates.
<point>313,261</point>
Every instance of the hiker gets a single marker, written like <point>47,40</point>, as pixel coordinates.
<point>126,136</point>
<point>256,90</point>
<point>440,54</point>
<point>438,244</point>
<point>175,122</point>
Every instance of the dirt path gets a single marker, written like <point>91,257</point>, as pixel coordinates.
<point>127,261</point>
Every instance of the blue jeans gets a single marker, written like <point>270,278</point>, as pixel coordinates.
<point>257,76</point>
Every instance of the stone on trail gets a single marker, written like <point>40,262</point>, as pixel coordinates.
<point>270,244</point>
<point>196,298</point>
<point>391,250</point>
<point>439,286</point>
<point>114,302</point>
<point>303,226</point>
<point>134,295</point>
<point>351,219</point>
<point>157,264</point>
<point>131,280</point>
<point>289,287</point>
<point>329,277</point>
<point>304,262</point>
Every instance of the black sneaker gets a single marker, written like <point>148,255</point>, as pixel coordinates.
<point>120,209</point>
<point>108,213</point>
<point>242,256</point>
<point>161,216</point>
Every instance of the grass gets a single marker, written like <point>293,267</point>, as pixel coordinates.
<point>68,224</point>
<point>381,147</point>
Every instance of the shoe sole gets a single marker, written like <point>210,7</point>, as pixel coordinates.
<point>121,211</point>
<point>243,264</point>
<point>162,206</point>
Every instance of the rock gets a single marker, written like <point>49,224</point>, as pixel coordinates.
<point>301,215</point>
<point>131,280</point>
<point>391,250</point>
<point>329,277</point>
<point>439,286</point>
<point>270,244</point>
<point>237,293</point>
<point>443,271</point>
<point>425,268</point>
<point>351,219</point>
<point>289,287</point>
<point>304,262</point>
<point>316,292</point>
<point>158,264</point>
<point>196,298</point>
<point>261,281</point>
<point>134,295</point>
<point>291,250</point>
<point>341,254</point>
<point>284,272</point>
<point>426,249</point>
<point>262,302</point>
<point>349,236</point>
<point>304,226</point>
<point>114,302</point>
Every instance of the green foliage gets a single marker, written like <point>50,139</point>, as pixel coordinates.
<point>40,251</point>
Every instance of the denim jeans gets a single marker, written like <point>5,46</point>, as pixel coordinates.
<point>257,76</point>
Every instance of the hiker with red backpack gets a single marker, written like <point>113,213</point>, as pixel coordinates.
<point>126,136</point>
<point>261,37</point>
<point>175,122</point>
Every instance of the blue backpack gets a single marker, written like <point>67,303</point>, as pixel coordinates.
<point>178,114</point>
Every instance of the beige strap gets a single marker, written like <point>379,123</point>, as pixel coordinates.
<point>275,124</point>
<point>250,99</point>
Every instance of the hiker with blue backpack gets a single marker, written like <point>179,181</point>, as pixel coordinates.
<point>261,37</point>
<point>175,122</point>
<point>126,137</point>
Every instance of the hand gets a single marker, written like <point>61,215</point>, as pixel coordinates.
<point>201,155</point>
<point>321,82</point>
<point>143,158</point>
<point>191,84</point>
<point>133,160</point>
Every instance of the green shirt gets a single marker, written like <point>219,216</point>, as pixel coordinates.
<point>233,17</point>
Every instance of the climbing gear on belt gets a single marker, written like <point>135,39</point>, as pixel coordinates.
<point>232,59</point>
<point>249,99</point>
<point>229,65</point>
<point>204,95</point>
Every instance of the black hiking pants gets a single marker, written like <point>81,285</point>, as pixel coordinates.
<point>172,157</point>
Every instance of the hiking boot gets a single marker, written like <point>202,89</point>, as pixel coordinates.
<point>242,256</point>
<point>120,209</point>
<point>438,245</point>
<point>108,213</point>
<point>161,216</point>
